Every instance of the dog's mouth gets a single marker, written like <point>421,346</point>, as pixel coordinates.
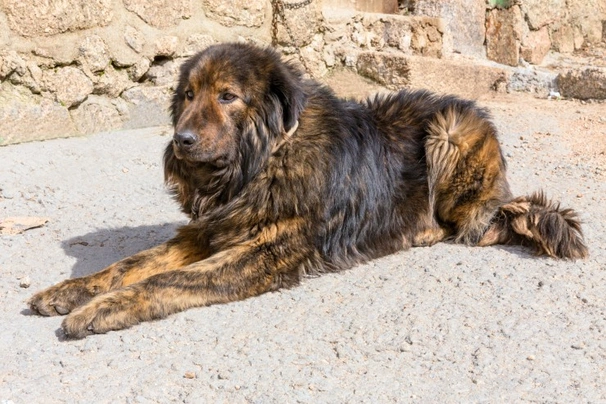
<point>195,157</point>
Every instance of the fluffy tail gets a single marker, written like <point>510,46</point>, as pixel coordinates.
<point>540,224</point>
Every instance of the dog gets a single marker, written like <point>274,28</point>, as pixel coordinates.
<point>282,179</point>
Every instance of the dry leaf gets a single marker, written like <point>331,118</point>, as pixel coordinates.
<point>19,224</point>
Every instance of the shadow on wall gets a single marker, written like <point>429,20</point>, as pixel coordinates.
<point>96,250</point>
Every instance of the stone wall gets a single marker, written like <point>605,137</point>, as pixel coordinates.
<point>507,30</point>
<point>72,67</point>
<point>528,30</point>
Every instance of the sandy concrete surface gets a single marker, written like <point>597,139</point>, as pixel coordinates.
<point>443,324</point>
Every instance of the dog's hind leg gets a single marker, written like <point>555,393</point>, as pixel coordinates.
<point>466,171</point>
<point>470,193</point>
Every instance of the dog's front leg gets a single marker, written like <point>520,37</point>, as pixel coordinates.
<point>65,296</point>
<point>236,273</point>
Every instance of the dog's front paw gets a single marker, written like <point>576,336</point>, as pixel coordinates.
<point>108,312</point>
<point>61,298</point>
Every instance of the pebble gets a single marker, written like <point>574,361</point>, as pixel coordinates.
<point>7,193</point>
<point>554,95</point>
<point>25,282</point>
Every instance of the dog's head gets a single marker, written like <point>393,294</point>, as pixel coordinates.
<point>231,97</point>
<point>233,104</point>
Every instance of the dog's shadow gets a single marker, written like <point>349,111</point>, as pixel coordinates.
<point>96,250</point>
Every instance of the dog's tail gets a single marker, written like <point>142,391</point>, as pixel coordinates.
<point>469,192</point>
<point>540,224</point>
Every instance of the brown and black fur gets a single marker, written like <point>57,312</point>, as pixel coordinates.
<point>353,182</point>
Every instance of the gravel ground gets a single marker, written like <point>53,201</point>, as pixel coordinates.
<point>442,324</point>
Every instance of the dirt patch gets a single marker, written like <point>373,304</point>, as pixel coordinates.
<point>442,324</point>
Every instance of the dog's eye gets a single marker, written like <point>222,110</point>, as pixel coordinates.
<point>227,98</point>
<point>189,95</point>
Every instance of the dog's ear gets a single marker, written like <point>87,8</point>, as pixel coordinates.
<point>287,86</point>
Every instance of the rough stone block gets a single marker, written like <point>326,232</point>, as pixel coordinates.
<point>166,46</point>
<point>196,43</point>
<point>96,114</point>
<point>30,76</point>
<point>583,83</point>
<point>418,35</point>
<point>69,85</point>
<point>535,46</point>
<point>42,18</point>
<point>160,13</point>
<point>465,20</point>
<point>134,39</point>
<point>503,35</point>
<point>36,74</point>
<point>10,62</point>
<point>459,77</point>
<point>386,69</point>
<point>165,73</point>
<point>299,26</point>
<point>562,38</point>
<point>123,56</point>
<point>147,106</point>
<point>540,12</point>
<point>112,82</point>
<point>587,16</point>
<point>138,70</point>
<point>578,37</point>
<point>94,54</point>
<point>531,80</point>
<point>55,53</point>
<point>18,71</point>
<point>248,13</point>
<point>312,55</point>
<point>25,117</point>
<point>365,6</point>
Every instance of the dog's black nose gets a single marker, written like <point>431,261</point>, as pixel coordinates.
<point>184,139</point>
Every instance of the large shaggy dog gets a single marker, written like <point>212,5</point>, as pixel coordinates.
<point>283,179</point>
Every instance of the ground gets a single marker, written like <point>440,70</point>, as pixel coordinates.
<point>443,324</point>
